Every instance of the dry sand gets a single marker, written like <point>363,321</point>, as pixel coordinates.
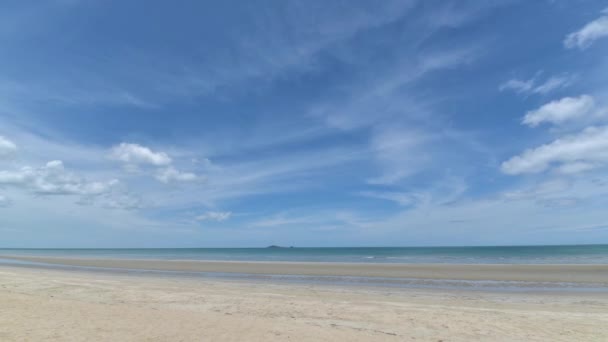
<point>52,305</point>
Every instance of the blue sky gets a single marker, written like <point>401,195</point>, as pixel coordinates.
<point>306,123</point>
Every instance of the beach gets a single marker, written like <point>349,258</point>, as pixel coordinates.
<point>76,305</point>
<point>502,272</point>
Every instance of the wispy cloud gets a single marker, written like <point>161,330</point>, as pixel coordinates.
<point>570,154</point>
<point>560,111</point>
<point>443,191</point>
<point>320,220</point>
<point>257,50</point>
<point>382,97</point>
<point>534,86</point>
<point>400,153</point>
<point>7,147</point>
<point>218,216</point>
<point>488,221</point>
<point>4,201</point>
<point>589,33</point>
<point>398,123</point>
<point>401,198</point>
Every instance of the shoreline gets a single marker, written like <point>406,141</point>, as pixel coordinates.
<point>549,273</point>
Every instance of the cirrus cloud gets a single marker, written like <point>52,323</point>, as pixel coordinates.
<point>531,86</point>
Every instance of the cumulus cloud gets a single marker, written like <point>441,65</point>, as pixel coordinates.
<point>532,87</point>
<point>137,154</point>
<point>134,155</point>
<point>589,33</point>
<point>559,111</point>
<point>571,154</point>
<point>218,216</point>
<point>7,147</point>
<point>53,179</point>
<point>171,174</point>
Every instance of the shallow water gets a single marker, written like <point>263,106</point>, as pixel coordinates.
<point>572,254</point>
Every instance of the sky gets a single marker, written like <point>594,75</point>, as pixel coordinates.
<point>304,123</point>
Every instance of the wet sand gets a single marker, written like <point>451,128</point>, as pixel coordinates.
<point>533,273</point>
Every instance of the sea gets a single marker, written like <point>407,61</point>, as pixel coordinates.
<point>564,254</point>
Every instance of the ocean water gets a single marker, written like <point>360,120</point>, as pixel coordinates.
<point>574,254</point>
<point>566,254</point>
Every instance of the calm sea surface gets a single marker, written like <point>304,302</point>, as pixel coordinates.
<point>574,254</point>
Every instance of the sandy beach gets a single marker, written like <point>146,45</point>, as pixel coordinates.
<point>53,305</point>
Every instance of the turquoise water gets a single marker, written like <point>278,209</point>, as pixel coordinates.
<point>572,254</point>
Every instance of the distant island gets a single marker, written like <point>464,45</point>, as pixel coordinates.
<point>275,246</point>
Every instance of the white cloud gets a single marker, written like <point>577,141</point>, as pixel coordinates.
<point>170,174</point>
<point>53,179</point>
<point>573,153</point>
<point>134,155</point>
<point>4,201</point>
<point>559,111</point>
<point>544,190</point>
<point>528,214</point>
<point>517,85</point>
<point>321,220</point>
<point>218,216</point>
<point>381,97</point>
<point>137,154</point>
<point>553,83</point>
<point>400,198</point>
<point>532,87</point>
<point>443,191</point>
<point>592,31</point>
<point>123,201</point>
<point>576,167</point>
<point>561,191</point>
<point>282,220</point>
<point>400,153</point>
<point>7,147</point>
